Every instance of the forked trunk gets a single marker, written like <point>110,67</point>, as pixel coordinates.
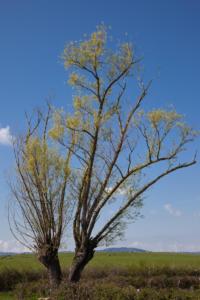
<point>81,259</point>
<point>51,262</point>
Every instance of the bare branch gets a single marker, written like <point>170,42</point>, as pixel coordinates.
<point>100,235</point>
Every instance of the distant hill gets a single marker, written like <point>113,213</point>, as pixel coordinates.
<point>7,253</point>
<point>114,249</point>
<point>122,249</point>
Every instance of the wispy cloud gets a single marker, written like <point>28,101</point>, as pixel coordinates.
<point>171,246</point>
<point>172,211</point>
<point>12,246</point>
<point>196,214</point>
<point>120,191</point>
<point>5,136</point>
<point>162,245</point>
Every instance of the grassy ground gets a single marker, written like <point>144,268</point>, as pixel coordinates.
<point>158,273</point>
<point>6,296</point>
<point>109,260</point>
<point>135,260</point>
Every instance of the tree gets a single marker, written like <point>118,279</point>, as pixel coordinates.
<point>40,210</point>
<point>120,150</point>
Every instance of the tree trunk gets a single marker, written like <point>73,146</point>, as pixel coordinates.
<point>51,262</point>
<point>81,259</point>
<point>54,272</point>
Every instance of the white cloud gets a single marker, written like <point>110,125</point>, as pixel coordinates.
<point>168,246</point>
<point>196,214</point>
<point>164,245</point>
<point>119,191</point>
<point>122,192</point>
<point>172,211</point>
<point>12,246</point>
<point>5,136</point>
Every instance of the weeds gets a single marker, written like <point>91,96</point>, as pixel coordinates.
<point>139,282</point>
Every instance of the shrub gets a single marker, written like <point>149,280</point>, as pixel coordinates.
<point>9,278</point>
<point>32,290</point>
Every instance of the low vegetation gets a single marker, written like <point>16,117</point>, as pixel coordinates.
<point>117,276</point>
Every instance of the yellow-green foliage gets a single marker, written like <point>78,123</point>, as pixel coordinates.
<point>159,115</point>
<point>73,121</point>
<point>57,131</point>
<point>39,158</point>
<point>92,55</point>
<point>86,52</point>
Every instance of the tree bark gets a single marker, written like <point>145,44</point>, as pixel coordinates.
<point>81,259</point>
<point>52,264</point>
<point>54,272</point>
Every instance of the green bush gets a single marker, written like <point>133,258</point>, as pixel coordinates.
<point>9,278</point>
<point>112,284</point>
<point>32,290</point>
<point>102,291</point>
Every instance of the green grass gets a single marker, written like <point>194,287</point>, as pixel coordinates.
<point>108,260</point>
<point>138,260</point>
<point>23,262</point>
<point>6,296</point>
<point>103,269</point>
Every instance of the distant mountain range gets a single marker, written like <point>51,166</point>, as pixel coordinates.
<point>7,253</point>
<point>122,249</point>
<point>107,250</point>
<point>110,250</point>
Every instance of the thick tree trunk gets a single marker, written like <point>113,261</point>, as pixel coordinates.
<point>51,262</point>
<point>81,259</point>
<point>54,272</point>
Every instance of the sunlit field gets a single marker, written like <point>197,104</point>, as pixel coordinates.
<point>24,262</point>
<point>122,276</point>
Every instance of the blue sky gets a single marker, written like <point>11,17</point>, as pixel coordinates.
<point>165,33</point>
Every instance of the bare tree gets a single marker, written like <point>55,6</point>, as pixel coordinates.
<point>40,210</point>
<point>120,151</point>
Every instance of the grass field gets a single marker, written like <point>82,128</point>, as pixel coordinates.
<point>6,296</point>
<point>163,270</point>
<point>22,262</point>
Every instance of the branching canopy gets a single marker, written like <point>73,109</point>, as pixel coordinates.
<point>116,143</point>
<point>40,210</point>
